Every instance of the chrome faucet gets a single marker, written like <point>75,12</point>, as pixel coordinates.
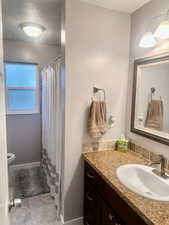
<point>160,161</point>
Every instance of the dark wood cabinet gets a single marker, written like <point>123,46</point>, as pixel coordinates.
<point>91,205</point>
<point>103,206</point>
<point>91,198</point>
<point>109,217</point>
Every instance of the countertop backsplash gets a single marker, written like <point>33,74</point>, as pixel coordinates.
<point>104,145</point>
<point>100,145</point>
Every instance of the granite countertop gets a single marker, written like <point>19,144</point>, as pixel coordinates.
<point>106,162</point>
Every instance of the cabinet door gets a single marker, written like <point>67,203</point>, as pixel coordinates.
<point>109,217</point>
<point>90,175</point>
<point>90,205</point>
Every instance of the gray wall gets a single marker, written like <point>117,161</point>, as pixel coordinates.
<point>97,53</point>
<point>24,137</point>
<point>24,131</point>
<point>29,52</point>
<point>148,14</point>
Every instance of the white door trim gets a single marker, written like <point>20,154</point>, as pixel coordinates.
<point>3,173</point>
<point>3,145</point>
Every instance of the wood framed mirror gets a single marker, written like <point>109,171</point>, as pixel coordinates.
<point>150,100</point>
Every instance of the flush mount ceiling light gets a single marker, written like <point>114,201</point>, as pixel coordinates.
<point>32,30</point>
<point>148,40</point>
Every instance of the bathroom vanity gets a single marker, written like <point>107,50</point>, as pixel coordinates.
<point>108,202</point>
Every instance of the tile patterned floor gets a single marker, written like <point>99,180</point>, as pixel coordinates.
<point>39,210</point>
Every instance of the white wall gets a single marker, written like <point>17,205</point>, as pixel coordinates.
<point>97,54</point>
<point>139,21</point>
<point>24,131</point>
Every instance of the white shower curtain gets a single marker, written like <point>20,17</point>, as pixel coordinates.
<point>51,152</point>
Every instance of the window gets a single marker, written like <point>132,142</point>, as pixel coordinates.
<point>22,88</point>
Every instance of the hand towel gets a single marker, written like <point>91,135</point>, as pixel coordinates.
<point>155,115</point>
<point>97,121</point>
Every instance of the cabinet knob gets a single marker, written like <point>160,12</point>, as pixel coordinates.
<point>111,217</point>
<point>90,176</point>
<point>89,198</point>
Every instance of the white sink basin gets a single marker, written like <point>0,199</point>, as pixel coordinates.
<point>11,157</point>
<point>141,180</point>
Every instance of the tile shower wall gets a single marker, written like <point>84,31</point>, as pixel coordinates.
<point>52,178</point>
<point>50,170</point>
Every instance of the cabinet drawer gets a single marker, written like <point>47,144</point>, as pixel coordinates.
<point>90,195</point>
<point>109,217</point>
<point>90,175</point>
<point>117,204</point>
<point>90,204</point>
<point>103,205</point>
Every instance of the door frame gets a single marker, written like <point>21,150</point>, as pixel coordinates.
<point>3,143</point>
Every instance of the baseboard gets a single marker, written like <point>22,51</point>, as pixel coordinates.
<point>25,166</point>
<point>61,219</point>
<point>77,221</point>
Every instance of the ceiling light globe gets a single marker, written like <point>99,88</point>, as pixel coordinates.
<point>147,41</point>
<point>32,30</point>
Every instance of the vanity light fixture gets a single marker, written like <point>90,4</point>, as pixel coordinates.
<point>162,31</point>
<point>148,40</point>
<point>32,30</point>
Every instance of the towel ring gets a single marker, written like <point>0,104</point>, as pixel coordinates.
<point>95,90</point>
<point>152,92</point>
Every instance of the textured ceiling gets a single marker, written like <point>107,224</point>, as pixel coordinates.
<point>44,12</point>
<point>128,6</point>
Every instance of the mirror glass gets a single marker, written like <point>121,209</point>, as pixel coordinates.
<point>150,113</point>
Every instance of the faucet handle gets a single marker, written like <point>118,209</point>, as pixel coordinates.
<point>161,156</point>
<point>158,160</point>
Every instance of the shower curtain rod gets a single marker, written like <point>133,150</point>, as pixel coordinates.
<point>58,57</point>
<point>52,61</point>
